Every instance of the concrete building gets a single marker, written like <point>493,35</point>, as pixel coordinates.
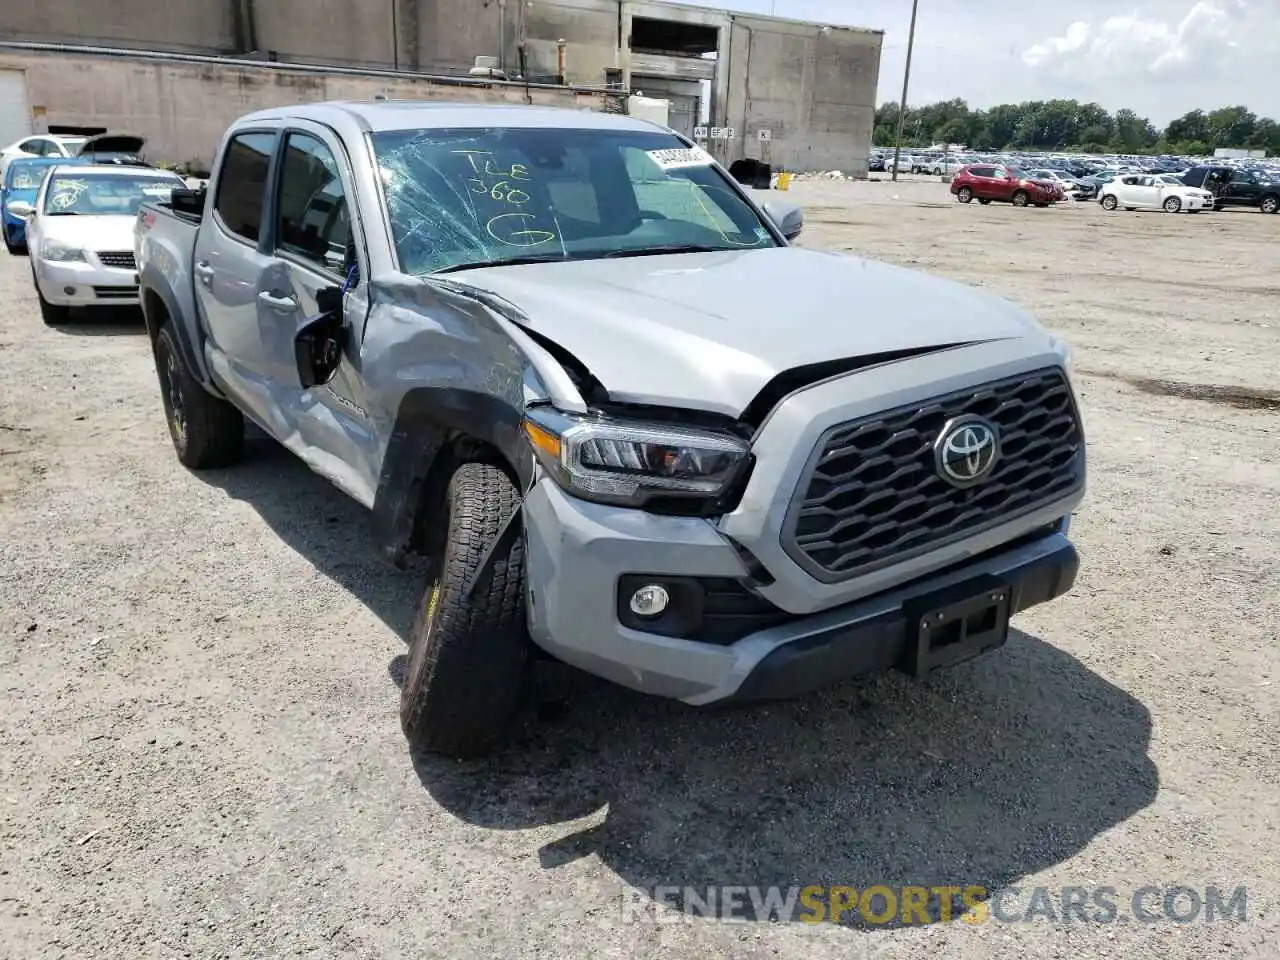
<point>795,94</point>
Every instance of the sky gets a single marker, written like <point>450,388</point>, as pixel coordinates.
<point>1158,57</point>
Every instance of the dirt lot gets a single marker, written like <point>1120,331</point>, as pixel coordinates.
<point>199,747</point>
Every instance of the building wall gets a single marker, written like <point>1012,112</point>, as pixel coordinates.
<point>204,26</point>
<point>812,89</point>
<point>183,107</point>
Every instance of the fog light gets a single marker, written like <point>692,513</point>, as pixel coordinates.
<point>649,601</point>
<point>69,291</point>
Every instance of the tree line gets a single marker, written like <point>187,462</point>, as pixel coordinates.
<point>1070,126</point>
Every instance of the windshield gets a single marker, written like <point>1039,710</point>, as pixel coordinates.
<point>89,195</point>
<point>477,196</point>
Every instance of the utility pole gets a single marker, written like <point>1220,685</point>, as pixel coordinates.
<point>906,78</point>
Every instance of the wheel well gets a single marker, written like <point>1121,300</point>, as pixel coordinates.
<point>458,448</point>
<point>154,312</point>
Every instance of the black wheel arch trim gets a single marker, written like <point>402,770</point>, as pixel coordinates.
<point>151,282</point>
<point>426,423</point>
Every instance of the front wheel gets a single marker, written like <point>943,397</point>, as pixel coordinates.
<point>1270,205</point>
<point>207,431</point>
<point>1109,202</point>
<point>52,314</point>
<point>468,650</point>
<point>964,194</point>
<point>1020,198</point>
<point>1172,205</point>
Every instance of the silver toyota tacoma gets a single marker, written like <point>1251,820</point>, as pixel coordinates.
<point>566,358</point>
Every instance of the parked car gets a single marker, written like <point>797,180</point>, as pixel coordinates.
<point>995,182</point>
<point>876,163</point>
<point>1148,192</point>
<point>79,233</point>
<point>1232,186</point>
<point>1071,188</point>
<point>56,146</point>
<point>946,166</point>
<point>20,185</point>
<point>510,334</point>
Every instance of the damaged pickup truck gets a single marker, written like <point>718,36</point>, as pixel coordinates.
<point>568,359</point>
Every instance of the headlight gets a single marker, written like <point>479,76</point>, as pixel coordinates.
<point>637,464</point>
<point>58,252</point>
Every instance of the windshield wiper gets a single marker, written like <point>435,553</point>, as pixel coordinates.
<point>512,262</point>
<point>61,213</point>
<point>665,248</point>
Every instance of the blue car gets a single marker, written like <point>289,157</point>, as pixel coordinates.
<point>22,182</point>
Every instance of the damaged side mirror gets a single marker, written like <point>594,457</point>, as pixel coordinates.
<point>317,346</point>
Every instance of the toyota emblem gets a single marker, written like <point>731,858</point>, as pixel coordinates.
<point>966,450</point>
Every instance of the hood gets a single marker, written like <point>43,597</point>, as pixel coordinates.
<point>90,233</point>
<point>708,331</point>
<point>112,143</point>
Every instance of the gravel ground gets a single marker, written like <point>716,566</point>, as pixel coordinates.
<point>199,747</point>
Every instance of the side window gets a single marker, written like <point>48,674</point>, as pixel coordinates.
<point>314,223</point>
<point>242,183</point>
<point>983,171</point>
<point>34,146</point>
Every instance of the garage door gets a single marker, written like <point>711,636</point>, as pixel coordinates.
<point>15,114</point>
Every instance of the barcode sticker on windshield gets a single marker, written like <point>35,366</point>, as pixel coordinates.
<point>675,159</point>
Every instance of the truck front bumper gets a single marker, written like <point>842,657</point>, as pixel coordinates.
<point>577,554</point>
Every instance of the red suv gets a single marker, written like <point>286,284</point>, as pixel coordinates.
<point>985,182</point>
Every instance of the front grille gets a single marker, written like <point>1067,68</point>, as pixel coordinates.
<point>872,494</point>
<point>115,293</point>
<point>122,258</point>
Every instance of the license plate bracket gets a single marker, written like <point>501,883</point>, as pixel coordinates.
<point>956,623</point>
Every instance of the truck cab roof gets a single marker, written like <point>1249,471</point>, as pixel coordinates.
<point>382,115</point>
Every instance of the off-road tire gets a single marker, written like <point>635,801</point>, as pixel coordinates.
<point>1270,204</point>
<point>1109,202</point>
<point>1172,205</point>
<point>52,314</point>
<point>207,432</point>
<point>1020,198</point>
<point>467,655</point>
<point>964,194</point>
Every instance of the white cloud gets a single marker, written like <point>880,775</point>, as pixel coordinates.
<point>1132,45</point>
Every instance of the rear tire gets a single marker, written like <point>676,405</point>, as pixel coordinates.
<point>207,432</point>
<point>1109,202</point>
<point>52,314</point>
<point>964,195</point>
<point>467,655</point>
<point>1270,204</point>
<point>1020,198</point>
<point>1172,205</point>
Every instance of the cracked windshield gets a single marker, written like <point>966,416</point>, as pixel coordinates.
<point>473,197</point>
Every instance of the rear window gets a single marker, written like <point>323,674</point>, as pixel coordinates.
<point>242,183</point>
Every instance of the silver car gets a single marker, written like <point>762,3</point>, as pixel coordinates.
<point>80,234</point>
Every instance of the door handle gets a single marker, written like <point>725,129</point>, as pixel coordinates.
<point>203,272</point>
<point>279,304</point>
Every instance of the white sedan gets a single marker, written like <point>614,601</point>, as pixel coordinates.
<point>80,234</point>
<point>40,145</point>
<point>1147,192</point>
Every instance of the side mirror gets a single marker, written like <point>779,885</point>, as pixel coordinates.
<point>20,208</point>
<point>788,217</point>
<point>317,346</point>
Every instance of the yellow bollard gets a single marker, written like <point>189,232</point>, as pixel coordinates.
<point>784,181</point>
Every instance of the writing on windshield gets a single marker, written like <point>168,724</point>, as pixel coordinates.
<point>470,197</point>
<point>99,196</point>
